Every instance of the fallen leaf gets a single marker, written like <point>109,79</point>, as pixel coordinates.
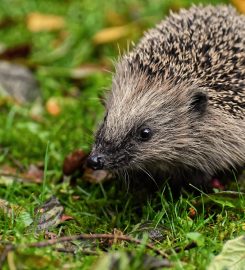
<point>53,106</point>
<point>75,197</point>
<point>6,169</point>
<point>34,173</point>
<point>37,22</point>
<point>240,5</point>
<point>97,176</point>
<point>49,215</point>
<point>10,179</point>
<point>74,162</point>
<point>66,218</point>
<point>18,51</point>
<point>114,18</point>
<point>111,34</point>
<point>232,256</point>
<point>9,174</point>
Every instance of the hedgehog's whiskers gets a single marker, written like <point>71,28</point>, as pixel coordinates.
<point>149,174</point>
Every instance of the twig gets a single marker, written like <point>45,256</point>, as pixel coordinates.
<point>50,242</point>
<point>95,236</point>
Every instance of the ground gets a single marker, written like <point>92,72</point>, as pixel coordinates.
<point>69,59</point>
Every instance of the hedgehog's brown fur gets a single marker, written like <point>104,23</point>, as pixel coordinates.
<point>197,53</point>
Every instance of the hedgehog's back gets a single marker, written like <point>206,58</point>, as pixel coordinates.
<point>202,44</point>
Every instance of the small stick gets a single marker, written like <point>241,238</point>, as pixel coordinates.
<point>95,236</point>
<point>51,242</point>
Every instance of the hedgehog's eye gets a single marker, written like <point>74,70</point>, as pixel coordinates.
<point>144,134</point>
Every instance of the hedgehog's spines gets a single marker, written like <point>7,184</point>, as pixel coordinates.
<point>183,46</point>
<point>185,81</point>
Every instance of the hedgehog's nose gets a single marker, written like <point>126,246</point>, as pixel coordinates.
<point>95,162</point>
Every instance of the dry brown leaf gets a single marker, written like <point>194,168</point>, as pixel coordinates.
<point>96,177</point>
<point>34,174</point>
<point>74,162</point>
<point>18,51</point>
<point>53,106</point>
<point>240,5</point>
<point>9,175</point>
<point>111,34</point>
<point>75,197</point>
<point>37,22</point>
<point>6,169</point>
<point>49,214</point>
<point>114,18</point>
<point>65,218</point>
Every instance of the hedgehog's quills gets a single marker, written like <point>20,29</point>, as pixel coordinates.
<point>177,103</point>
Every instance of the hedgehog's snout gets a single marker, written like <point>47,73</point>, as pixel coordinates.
<point>96,161</point>
<point>109,157</point>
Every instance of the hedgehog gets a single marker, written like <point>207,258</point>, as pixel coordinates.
<point>177,100</point>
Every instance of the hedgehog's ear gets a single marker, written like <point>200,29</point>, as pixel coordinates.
<point>199,102</point>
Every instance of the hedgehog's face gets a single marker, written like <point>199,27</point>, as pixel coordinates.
<point>146,125</point>
<point>119,151</point>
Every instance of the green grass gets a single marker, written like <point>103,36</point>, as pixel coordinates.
<point>95,208</point>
